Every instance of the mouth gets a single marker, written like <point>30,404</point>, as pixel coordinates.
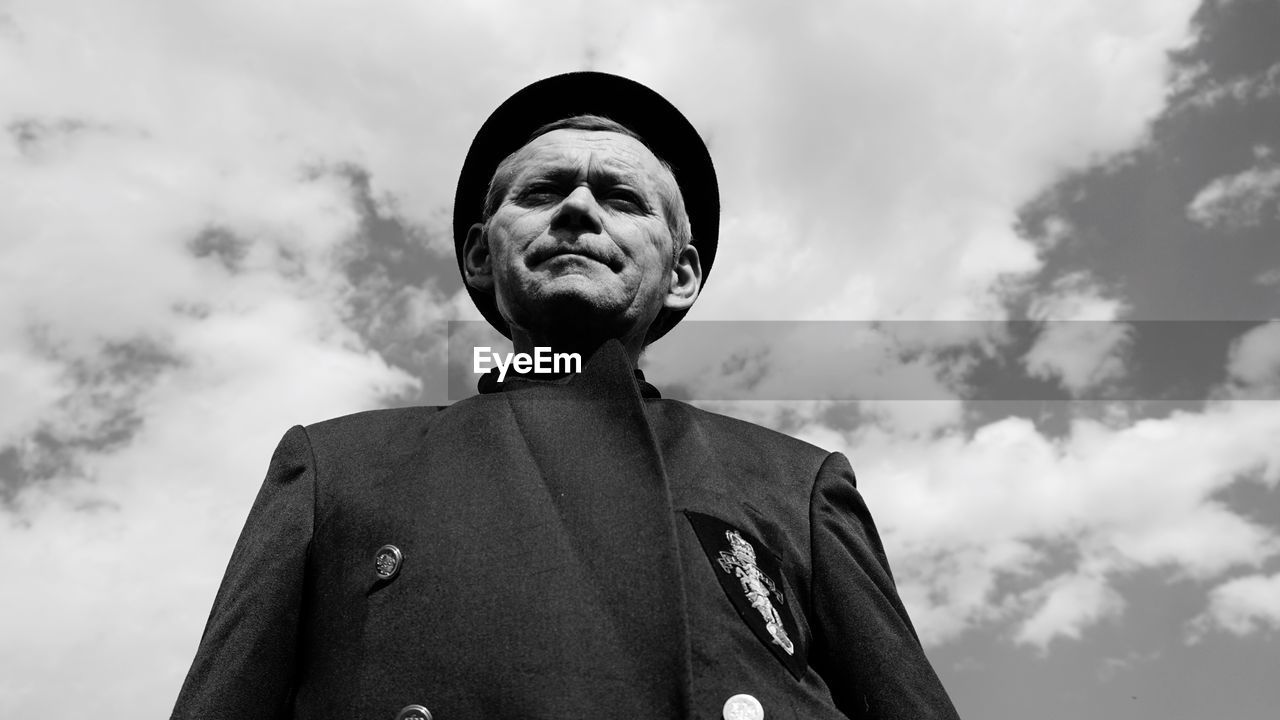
<point>575,251</point>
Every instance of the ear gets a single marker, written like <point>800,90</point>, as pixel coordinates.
<point>476,262</point>
<point>686,280</point>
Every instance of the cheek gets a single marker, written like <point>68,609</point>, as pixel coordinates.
<point>508,239</point>
<point>642,238</point>
<point>659,248</point>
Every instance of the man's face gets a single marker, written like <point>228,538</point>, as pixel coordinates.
<point>581,236</point>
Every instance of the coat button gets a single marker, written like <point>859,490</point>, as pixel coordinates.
<point>387,563</point>
<point>743,707</point>
<point>414,712</point>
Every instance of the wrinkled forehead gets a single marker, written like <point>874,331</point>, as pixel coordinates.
<point>593,152</point>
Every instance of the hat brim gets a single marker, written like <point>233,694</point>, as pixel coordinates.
<point>666,132</point>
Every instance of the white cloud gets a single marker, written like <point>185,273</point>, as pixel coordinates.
<point>1067,606</point>
<point>123,563</point>
<point>1268,278</point>
<point>1008,523</point>
<point>120,153</point>
<point>1253,360</point>
<point>1244,89</point>
<point>1245,199</point>
<point>30,388</point>
<point>896,173</point>
<point>1241,606</point>
<point>1080,344</point>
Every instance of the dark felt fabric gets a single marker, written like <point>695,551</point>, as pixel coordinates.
<point>549,570</point>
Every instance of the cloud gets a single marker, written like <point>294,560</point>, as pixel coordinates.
<point>1268,278</point>
<point>1245,199</point>
<point>1241,90</point>
<point>123,547</point>
<point>1254,359</point>
<point>872,183</point>
<point>178,289</point>
<point>1067,605</point>
<point>1086,351</point>
<point>1006,524</point>
<point>1241,606</point>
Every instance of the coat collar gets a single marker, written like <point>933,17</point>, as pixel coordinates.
<point>489,383</point>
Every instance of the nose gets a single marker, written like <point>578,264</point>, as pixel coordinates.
<point>578,212</point>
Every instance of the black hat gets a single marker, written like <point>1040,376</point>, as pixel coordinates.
<point>659,124</point>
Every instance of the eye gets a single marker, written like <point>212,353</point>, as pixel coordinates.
<point>538,193</point>
<point>625,199</point>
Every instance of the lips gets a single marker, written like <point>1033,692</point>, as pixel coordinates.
<point>549,252</point>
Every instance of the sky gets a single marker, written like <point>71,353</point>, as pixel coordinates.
<point>1019,262</point>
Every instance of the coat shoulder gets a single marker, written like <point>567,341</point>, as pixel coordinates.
<point>376,420</point>
<point>377,431</point>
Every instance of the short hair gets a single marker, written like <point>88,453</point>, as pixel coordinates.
<point>673,207</point>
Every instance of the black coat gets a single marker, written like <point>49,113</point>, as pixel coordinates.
<point>569,550</point>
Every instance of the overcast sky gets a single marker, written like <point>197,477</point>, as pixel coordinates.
<point>220,219</point>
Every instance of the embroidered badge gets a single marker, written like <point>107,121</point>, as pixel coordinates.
<point>759,589</point>
<point>751,577</point>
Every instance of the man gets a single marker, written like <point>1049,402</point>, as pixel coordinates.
<point>571,546</point>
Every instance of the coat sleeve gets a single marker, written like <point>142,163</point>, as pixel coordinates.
<point>245,665</point>
<point>864,645</point>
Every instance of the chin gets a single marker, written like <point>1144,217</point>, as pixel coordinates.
<point>579,293</point>
<point>572,311</point>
